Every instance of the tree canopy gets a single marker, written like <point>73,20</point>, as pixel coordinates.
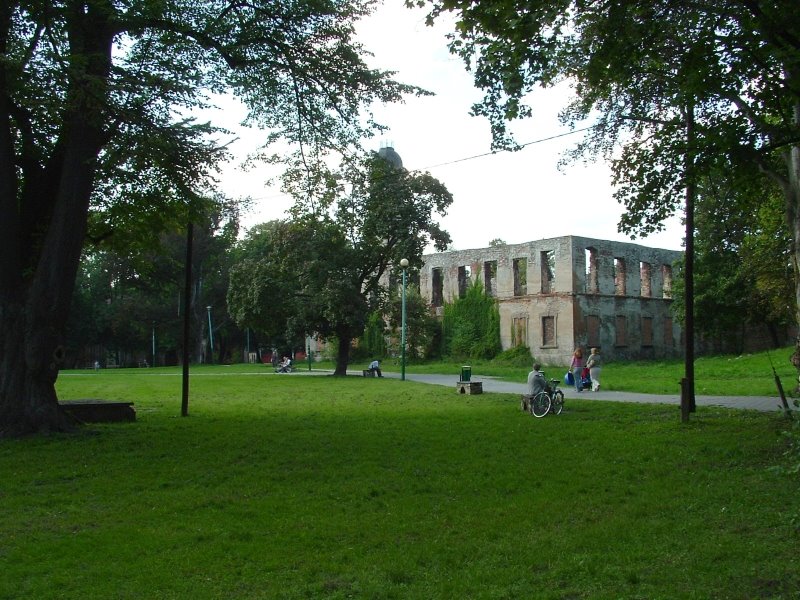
<point>97,140</point>
<point>324,271</point>
<point>672,89</point>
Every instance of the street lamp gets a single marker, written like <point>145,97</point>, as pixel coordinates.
<point>404,265</point>
<point>210,333</point>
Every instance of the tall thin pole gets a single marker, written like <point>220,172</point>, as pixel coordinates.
<point>187,306</point>
<point>210,335</point>
<point>154,345</point>
<point>687,393</point>
<point>404,264</point>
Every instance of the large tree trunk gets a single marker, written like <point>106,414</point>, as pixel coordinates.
<point>33,317</point>
<point>343,354</point>
<point>44,219</point>
<point>792,193</point>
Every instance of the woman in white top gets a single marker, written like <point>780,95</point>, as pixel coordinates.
<point>594,364</point>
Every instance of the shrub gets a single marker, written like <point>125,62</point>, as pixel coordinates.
<point>519,356</point>
<point>471,325</point>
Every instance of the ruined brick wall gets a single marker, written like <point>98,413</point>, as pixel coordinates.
<point>564,292</point>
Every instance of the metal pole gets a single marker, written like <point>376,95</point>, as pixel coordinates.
<point>687,396</point>
<point>404,264</point>
<point>154,345</point>
<point>210,334</point>
<point>187,303</point>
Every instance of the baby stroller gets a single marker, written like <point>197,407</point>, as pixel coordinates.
<point>586,380</point>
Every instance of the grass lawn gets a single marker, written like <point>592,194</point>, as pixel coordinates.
<point>317,487</point>
<point>745,375</point>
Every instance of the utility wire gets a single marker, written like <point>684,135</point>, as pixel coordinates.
<point>520,147</point>
<point>473,157</point>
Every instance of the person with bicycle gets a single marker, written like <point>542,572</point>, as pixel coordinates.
<point>543,398</point>
<point>536,381</point>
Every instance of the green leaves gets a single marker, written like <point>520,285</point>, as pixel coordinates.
<point>327,267</point>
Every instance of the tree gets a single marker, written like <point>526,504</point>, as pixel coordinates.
<point>672,86</point>
<point>471,325</point>
<point>742,263</point>
<point>324,270</point>
<point>422,327</point>
<point>94,98</point>
<point>125,295</point>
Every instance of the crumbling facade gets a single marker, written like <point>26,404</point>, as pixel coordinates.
<point>558,294</point>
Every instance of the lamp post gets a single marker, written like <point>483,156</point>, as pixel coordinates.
<point>404,265</point>
<point>210,334</point>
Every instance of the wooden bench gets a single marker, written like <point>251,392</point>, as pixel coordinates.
<point>368,373</point>
<point>525,402</point>
<point>99,411</point>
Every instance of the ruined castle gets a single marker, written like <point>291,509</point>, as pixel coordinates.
<point>557,294</point>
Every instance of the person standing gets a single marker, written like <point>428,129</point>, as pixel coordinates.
<point>595,363</point>
<point>576,368</point>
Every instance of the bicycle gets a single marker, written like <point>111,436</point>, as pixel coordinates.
<point>545,402</point>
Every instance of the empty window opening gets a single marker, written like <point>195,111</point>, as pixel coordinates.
<point>666,274</point>
<point>621,333</point>
<point>464,275</point>
<point>591,271</point>
<point>520,268</point>
<point>645,272</point>
<point>619,276</point>
<point>437,287</point>
<point>490,277</point>
<point>519,331</point>
<point>548,331</point>
<point>647,331</point>
<point>548,258</point>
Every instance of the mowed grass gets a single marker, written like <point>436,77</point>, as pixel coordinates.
<point>318,487</point>
<point>743,375</point>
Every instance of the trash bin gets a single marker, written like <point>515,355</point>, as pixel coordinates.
<point>466,373</point>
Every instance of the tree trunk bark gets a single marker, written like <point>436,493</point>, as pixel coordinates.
<point>343,354</point>
<point>35,296</point>
<point>792,191</point>
<point>34,319</point>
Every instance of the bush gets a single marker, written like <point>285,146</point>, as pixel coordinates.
<point>519,356</point>
<point>471,326</point>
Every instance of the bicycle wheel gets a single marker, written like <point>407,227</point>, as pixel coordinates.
<point>540,404</point>
<point>558,402</point>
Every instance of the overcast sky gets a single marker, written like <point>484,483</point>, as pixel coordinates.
<point>518,197</point>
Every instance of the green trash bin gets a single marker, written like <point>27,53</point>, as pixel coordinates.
<point>466,373</point>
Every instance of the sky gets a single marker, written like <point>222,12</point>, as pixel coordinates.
<point>515,196</point>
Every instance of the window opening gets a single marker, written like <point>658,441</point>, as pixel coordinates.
<point>490,277</point>
<point>666,273</point>
<point>548,259</point>
<point>437,287</point>
<point>520,268</point>
<point>464,274</point>
<point>619,276</point>
<point>591,271</point>
<point>645,273</point>
<point>519,331</point>
<point>548,331</point>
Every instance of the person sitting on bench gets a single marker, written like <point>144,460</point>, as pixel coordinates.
<point>375,367</point>
<point>286,365</point>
